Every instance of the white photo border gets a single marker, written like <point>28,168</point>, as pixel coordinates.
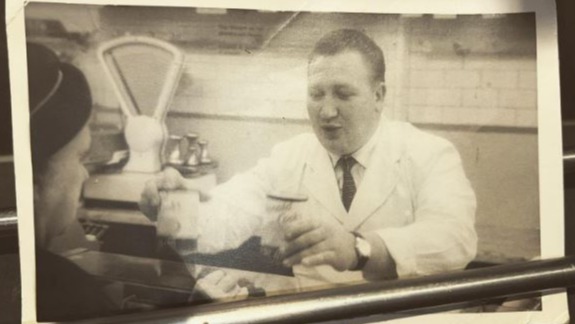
<point>549,131</point>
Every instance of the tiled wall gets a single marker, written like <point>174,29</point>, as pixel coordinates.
<point>446,70</point>
<point>425,85</point>
<point>482,91</point>
<point>247,86</point>
<point>472,90</point>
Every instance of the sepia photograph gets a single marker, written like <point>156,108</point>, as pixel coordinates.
<point>192,155</point>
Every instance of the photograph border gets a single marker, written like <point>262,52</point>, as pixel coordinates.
<point>549,118</point>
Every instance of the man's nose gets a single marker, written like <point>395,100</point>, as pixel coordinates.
<point>329,108</point>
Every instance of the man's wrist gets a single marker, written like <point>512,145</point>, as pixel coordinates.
<point>353,254</point>
<point>363,251</point>
<point>381,265</point>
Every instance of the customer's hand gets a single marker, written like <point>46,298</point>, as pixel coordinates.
<point>220,285</point>
<point>150,200</point>
<point>167,180</point>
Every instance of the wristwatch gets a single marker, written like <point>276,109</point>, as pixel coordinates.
<point>362,250</point>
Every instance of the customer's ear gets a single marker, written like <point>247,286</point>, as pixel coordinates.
<point>37,191</point>
<point>40,223</point>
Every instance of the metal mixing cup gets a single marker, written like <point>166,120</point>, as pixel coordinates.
<point>280,209</point>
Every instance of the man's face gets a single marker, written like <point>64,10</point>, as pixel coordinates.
<point>344,104</point>
<point>60,188</point>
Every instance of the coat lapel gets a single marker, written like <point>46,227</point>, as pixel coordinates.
<point>378,181</point>
<point>321,183</point>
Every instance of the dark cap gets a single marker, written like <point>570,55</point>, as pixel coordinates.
<point>60,101</point>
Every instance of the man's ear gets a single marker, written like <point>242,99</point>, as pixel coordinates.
<point>380,91</point>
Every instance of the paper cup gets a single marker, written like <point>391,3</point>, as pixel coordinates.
<point>178,214</point>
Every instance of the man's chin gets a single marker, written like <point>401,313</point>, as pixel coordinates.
<point>333,143</point>
<point>334,147</point>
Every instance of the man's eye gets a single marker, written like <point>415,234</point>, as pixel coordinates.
<point>344,95</point>
<point>315,95</point>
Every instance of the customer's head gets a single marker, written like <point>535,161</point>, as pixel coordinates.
<point>60,106</point>
<point>346,89</point>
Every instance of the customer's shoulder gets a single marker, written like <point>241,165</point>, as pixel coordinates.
<point>57,271</point>
<point>65,291</point>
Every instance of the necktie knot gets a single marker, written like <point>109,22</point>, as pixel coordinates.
<point>347,162</point>
<point>348,188</point>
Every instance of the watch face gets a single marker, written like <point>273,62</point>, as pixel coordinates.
<point>363,247</point>
<point>363,250</point>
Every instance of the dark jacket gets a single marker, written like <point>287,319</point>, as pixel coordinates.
<point>65,291</point>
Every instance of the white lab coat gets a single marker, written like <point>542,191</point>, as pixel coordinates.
<point>414,195</point>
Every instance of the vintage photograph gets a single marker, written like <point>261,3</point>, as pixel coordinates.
<point>182,156</point>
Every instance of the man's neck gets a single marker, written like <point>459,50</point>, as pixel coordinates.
<point>361,155</point>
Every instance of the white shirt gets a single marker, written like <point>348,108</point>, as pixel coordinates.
<point>361,156</point>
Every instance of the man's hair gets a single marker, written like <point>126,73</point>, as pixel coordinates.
<point>342,40</point>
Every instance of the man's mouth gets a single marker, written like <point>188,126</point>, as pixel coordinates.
<point>330,128</point>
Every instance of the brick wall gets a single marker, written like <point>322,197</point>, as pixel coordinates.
<point>465,70</point>
<point>427,83</point>
<point>248,86</point>
<point>458,80</point>
<point>473,90</point>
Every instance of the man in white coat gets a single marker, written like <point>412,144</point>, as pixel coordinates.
<point>385,200</point>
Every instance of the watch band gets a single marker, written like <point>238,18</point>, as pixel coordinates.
<point>362,250</point>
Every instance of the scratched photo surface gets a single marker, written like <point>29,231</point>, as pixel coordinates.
<point>218,168</point>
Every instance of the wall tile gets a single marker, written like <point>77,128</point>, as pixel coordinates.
<point>487,117</point>
<point>435,97</point>
<point>462,79</point>
<point>482,62</point>
<point>492,62</point>
<point>425,62</point>
<point>480,98</point>
<point>495,117</point>
<point>526,118</point>
<point>499,79</point>
<point>419,114</point>
<point>426,79</point>
<point>417,97</point>
<point>522,99</point>
<point>528,80</point>
<point>455,116</point>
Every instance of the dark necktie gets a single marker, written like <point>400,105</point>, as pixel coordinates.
<point>348,188</point>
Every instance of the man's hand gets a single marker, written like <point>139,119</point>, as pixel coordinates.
<point>169,179</point>
<point>314,243</point>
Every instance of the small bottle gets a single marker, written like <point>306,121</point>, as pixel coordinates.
<point>204,154</point>
<point>173,152</point>
<point>192,156</point>
<point>192,139</point>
